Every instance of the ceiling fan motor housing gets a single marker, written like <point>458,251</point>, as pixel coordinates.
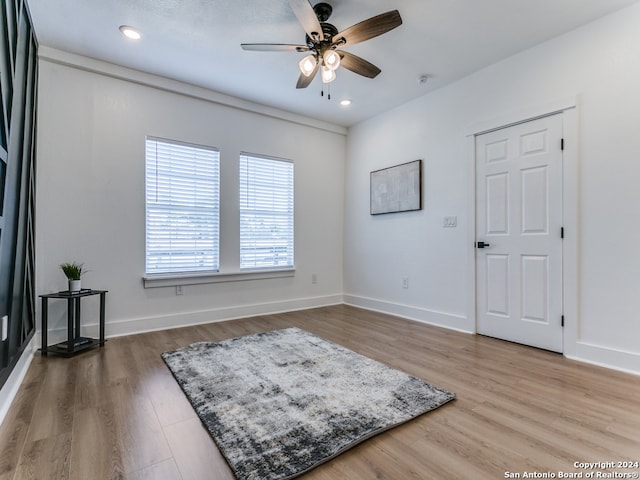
<point>328,31</point>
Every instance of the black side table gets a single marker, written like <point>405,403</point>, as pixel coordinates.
<point>74,343</point>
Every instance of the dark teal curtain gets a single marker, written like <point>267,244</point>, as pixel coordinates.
<point>18,85</point>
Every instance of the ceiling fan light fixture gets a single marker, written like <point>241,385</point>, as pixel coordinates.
<point>327,74</point>
<point>130,32</point>
<point>331,59</point>
<point>308,64</point>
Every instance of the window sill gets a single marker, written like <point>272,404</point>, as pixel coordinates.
<point>171,280</point>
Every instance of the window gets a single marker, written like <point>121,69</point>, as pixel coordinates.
<point>266,212</point>
<point>183,204</point>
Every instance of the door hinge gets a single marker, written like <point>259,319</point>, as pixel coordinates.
<point>562,321</point>
<point>562,144</point>
<point>561,232</point>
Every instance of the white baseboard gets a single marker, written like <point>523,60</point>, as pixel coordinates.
<point>628,362</point>
<point>440,319</point>
<point>117,328</point>
<point>10,388</point>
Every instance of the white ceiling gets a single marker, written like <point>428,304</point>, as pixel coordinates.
<point>198,42</point>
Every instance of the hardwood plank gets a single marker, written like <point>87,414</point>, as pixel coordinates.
<point>195,452</point>
<point>14,428</point>
<point>92,379</point>
<point>47,458</point>
<point>117,412</point>
<point>166,470</point>
<point>54,409</point>
<point>170,403</point>
<point>95,447</point>
<point>141,439</point>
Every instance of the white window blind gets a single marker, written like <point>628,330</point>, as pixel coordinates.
<point>266,212</point>
<point>182,200</point>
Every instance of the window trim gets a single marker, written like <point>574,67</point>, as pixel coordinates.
<point>197,278</point>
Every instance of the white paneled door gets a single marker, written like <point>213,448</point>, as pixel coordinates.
<point>519,233</point>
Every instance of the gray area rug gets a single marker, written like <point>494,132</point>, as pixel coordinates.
<point>280,403</point>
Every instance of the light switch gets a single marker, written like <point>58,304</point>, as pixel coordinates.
<point>450,222</point>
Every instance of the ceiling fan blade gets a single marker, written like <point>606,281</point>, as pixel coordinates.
<point>369,28</point>
<point>273,47</point>
<point>358,65</point>
<point>304,81</point>
<point>307,18</point>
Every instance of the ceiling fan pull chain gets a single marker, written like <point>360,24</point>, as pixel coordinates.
<point>329,92</point>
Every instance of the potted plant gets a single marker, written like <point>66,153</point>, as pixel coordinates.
<point>73,272</point>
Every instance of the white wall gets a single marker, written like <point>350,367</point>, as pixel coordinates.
<point>599,64</point>
<point>92,124</point>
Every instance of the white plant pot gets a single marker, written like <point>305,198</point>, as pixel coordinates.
<point>74,285</point>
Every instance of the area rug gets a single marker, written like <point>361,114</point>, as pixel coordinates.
<point>280,403</point>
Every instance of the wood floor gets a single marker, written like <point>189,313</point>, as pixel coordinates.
<point>117,413</point>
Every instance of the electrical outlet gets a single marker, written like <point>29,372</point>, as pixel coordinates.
<point>314,278</point>
<point>405,282</point>
<point>179,290</point>
<point>5,327</point>
<point>450,222</point>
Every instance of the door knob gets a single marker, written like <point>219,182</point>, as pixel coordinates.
<point>483,245</point>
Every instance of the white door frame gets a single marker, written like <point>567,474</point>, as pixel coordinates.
<point>569,108</point>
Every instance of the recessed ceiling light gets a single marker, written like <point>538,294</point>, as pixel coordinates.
<point>130,32</point>
<point>345,103</point>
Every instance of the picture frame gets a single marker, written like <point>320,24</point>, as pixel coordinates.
<point>396,189</point>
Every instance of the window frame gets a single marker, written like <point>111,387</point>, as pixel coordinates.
<point>215,214</point>
<point>223,275</point>
<point>287,211</point>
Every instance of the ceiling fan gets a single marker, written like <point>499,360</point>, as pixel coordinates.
<point>323,41</point>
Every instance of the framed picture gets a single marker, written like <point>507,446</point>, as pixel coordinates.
<point>397,189</point>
